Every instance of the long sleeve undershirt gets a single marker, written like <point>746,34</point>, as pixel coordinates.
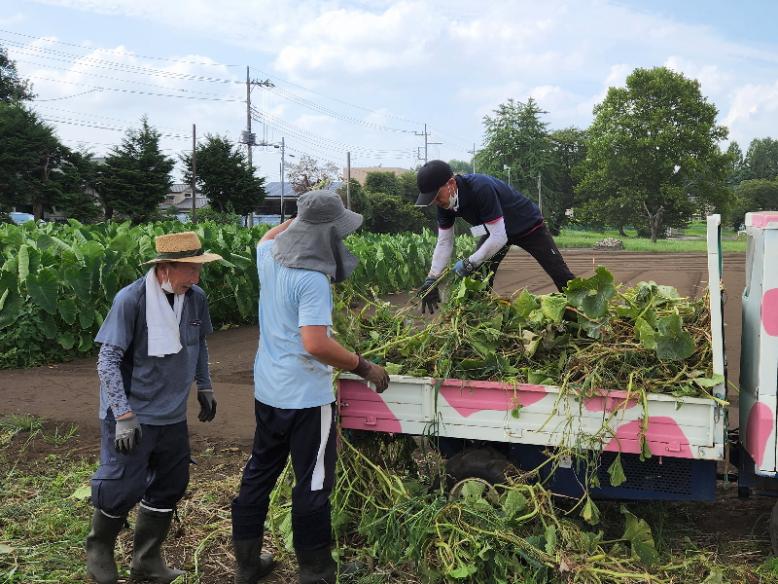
<point>109,362</point>
<point>494,243</point>
<point>444,247</point>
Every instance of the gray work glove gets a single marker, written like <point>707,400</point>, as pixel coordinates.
<point>128,434</point>
<point>207,405</point>
<point>429,294</point>
<point>372,373</point>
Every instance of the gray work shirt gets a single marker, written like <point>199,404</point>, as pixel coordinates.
<point>157,387</point>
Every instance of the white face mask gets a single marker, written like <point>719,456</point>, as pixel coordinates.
<point>453,201</point>
<point>166,285</point>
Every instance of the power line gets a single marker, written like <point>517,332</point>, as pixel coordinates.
<point>67,96</point>
<point>92,48</point>
<point>113,119</point>
<point>280,124</point>
<point>136,91</point>
<point>119,79</point>
<point>117,65</point>
<point>98,126</point>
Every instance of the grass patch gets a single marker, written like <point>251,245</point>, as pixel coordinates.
<point>45,513</point>
<point>578,239</point>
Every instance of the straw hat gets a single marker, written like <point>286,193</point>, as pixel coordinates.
<point>181,247</point>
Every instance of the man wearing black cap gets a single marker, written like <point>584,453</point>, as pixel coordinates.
<point>508,217</point>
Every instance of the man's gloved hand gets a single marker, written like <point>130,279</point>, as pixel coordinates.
<point>207,405</point>
<point>372,373</point>
<point>464,267</point>
<point>429,294</point>
<point>128,434</point>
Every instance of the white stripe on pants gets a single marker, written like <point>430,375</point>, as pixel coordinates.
<point>317,479</point>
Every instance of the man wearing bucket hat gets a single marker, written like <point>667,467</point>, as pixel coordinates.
<point>293,404</point>
<point>507,217</point>
<point>152,349</point>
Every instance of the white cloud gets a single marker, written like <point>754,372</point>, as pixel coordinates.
<point>753,113</point>
<point>446,62</point>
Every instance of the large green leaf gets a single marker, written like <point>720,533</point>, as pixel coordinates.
<point>524,304</point>
<point>672,342</point>
<point>23,262</point>
<point>86,317</point>
<point>66,339</point>
<point>591,295</point>
<point>79,280</point>
<point>553,306</point>
<point>68,310</point>
<point>43,289</point>
<point>641,541</point>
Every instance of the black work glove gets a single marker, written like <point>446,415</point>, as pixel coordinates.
<point>128,434</point>
<point>207,405</point>
<point>429,294</point>
<point>372,373</point>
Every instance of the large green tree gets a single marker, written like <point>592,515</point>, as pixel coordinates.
<point>568,149</point>
<point>516,146</point>
<point>77,178</point>
<point>520,149</point>
<point>761,160</point>
<point>753,195</point>
<point>13,89</point>
<point>653,155</point>
<point>136,175</point>
<point>225,177</point>
<point>461,166</point>
<point>382,182</point>
<point>30,155</point>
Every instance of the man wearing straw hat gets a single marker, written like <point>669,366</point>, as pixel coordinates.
<point>153,348</point>
<point>293,393</point>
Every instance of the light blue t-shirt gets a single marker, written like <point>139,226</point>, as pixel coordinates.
<point>285,375</point>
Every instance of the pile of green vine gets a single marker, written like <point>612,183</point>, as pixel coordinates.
<point>595,335</point>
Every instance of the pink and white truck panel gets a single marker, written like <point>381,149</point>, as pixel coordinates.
<point>759,344</point>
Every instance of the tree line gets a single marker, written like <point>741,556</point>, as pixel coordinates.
<point>651,159</point>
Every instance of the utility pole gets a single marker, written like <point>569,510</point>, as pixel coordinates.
<point>248,138</point>
<point>540,193</point>
<point>283,170</point>
<point>194,173</point>
<point>473,152</point>
<point>426,143</point>
<point>348,180</point>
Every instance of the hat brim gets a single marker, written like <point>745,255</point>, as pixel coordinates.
<point>348,223</point>
<point>425,199</point>
<point>201,259</point>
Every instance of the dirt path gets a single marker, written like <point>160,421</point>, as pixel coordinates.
<point>68,392</point>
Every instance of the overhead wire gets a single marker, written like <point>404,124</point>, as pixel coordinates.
<point>91,48</point>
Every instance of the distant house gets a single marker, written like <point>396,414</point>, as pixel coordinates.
<point>360,174</point>
<point>271,206</point>
<point>179,197</point>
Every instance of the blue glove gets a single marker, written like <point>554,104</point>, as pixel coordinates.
<point>464,267</point>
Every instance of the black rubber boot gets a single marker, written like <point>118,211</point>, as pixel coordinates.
<point>252,564</point>
<point>316,566</point>
<point>99,548</point>
<point>151,529</point>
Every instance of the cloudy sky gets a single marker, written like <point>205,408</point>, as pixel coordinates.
<point>365,76</point>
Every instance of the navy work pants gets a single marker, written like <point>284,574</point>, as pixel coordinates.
<point>308,435</point>
<point>540,245</point>
<point>156,472</point>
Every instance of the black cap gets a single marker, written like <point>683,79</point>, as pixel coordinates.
<point>430,178</point>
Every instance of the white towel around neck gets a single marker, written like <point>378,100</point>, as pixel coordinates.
<point>162,321</point>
